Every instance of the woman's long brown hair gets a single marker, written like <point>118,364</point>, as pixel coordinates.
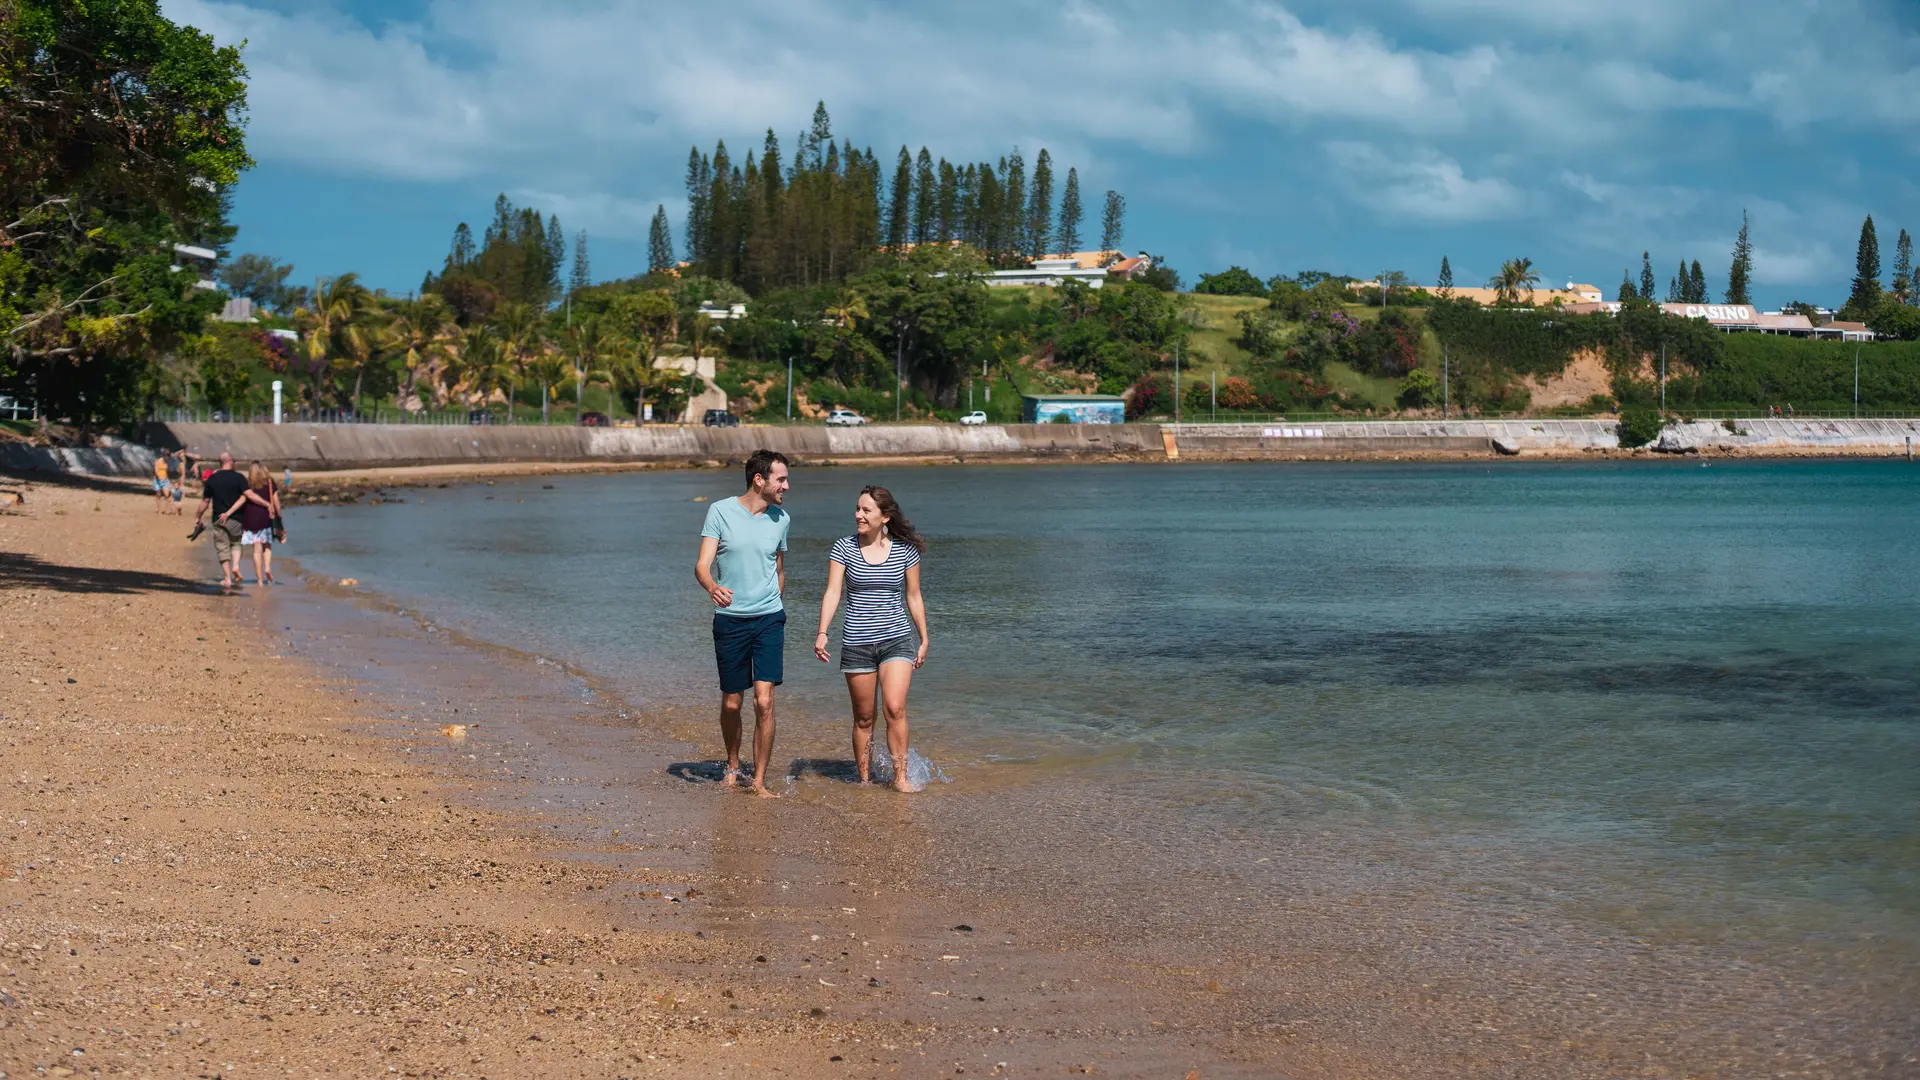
<point>898,526</point>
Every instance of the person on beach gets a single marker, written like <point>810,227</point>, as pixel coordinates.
<point>883,638</point>
<point>257,508</point>
<point>179,467</point>
<point>743,568</point>
<point>219,492</point>
<point>161,490</point>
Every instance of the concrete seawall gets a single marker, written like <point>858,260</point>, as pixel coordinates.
<point>358,446</point>
<point>321,447</point>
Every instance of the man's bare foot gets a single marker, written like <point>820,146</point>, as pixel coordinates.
<point>900,784</point>
<point>761,790</point>
<point>734,777</point>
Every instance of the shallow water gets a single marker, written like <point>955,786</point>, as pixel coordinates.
<point>1666,699</point>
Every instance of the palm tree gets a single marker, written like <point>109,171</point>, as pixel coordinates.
<point>848,310</point>
<point>1515,275</point>
<point>585,341</point>
<point>420,334</point>
<point>521,339</point>
<point>479,351</point>
<point>337,306</point>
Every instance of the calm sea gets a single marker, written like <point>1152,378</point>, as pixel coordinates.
<point>1689,694</point>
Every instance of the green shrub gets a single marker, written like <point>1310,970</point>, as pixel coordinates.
<point>1639,425</point>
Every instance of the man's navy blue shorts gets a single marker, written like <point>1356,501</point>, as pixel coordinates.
<point>749,649</point>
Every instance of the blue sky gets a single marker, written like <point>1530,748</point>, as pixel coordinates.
<point>1349,137</point>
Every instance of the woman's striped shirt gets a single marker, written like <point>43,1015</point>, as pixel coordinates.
<point>876,595</point>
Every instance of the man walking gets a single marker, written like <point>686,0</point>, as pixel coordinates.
<point>220,491</point>
<point>743,568</point>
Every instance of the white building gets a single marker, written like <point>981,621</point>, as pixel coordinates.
<point>1050,272</point>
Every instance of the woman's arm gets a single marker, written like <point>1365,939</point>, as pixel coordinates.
<point>917,609</point>
<point>829,604</point>
<point>249,495</point>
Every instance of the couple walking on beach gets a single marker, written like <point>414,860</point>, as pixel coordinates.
<point>883,639</point>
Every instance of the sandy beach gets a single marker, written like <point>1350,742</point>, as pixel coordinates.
<point>238,843</point>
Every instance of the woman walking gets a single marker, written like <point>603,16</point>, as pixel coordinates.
<point>259,508</point>
<point>884,635</point>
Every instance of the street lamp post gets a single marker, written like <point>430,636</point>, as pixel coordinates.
<point>1176,382</point>
<point>1663,378</point>
<point>1446,379</point>
<point>789,389</point>
<point>1856,381</point>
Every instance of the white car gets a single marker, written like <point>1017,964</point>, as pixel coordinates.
<point>974,418</point>
<point>845,418</point>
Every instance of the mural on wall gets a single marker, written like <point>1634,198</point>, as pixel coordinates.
<point>1050,411</point>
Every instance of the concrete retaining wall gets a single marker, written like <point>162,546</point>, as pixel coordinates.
<point>1344,438</point>
<point>356,446</point>
<point>310,447</point>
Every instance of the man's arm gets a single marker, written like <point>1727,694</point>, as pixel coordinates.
<point>703,572</point>
<point>780,567</point>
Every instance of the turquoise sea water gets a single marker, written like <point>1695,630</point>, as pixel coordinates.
<point>1698,686</point>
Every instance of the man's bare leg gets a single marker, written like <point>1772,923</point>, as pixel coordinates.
<point>730,734</point>
<point>762,737</point>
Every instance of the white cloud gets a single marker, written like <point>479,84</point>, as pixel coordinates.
<point>1423,186</point>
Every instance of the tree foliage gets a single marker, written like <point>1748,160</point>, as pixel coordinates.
<point>1866,274</point>
<point>1233,281</point>
<point>120,133</point>
<point>1740,273</point>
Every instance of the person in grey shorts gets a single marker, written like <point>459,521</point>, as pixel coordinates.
<point>883,638</point>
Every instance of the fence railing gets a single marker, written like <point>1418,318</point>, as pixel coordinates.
<point>434,418</point>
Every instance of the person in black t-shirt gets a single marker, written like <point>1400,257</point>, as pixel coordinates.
<point>218,494</point>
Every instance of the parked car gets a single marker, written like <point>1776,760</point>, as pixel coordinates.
<point>974,418</point>
<point>845,418</point>
<point>720,418</point>
<point>595,419</point>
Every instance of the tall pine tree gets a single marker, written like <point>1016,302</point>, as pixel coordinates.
<point>1740,274</point>
<point>900,203</point>
<point>1040,205</point>
<point>1646,277</point>
<point>926,199</point>
<point>948,204</point>
<point>1071,213</point>
<point>1113,222</point>
<point>1677,285</point>
<point>660,241</point>
<point>1903,268</point>
<point>1013,206</point>
<point>582,275</point>
<point>1697,285</point>
<point>1444,283</point>
<point>1627,291</point>
<point>1866,272</point>
<point>556,254</point>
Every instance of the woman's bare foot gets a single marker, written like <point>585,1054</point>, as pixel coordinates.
<point>761,790</point>
<point>900,784</point>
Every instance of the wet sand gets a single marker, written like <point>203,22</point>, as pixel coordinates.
<point>309,878</point>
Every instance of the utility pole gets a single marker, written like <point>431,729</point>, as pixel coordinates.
<point>789,389</point>
<point>1856,381</point>
<point>1446,374</point>
<point>1663,378</point>
<point>1213,395</point>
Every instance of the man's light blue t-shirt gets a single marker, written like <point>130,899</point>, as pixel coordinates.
<point>747,561</point>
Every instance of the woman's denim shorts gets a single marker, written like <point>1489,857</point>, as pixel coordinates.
<point>859,659</point>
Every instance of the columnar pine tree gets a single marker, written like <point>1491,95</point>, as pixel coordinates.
<point>1013,206</point>
<point>1040,205</point>
<point>900,203</point>
<point>556,254</point>
<point>926,199</point>
<point>1071,213</point>
<point>1627,291</point>
<point>660,241</point>
<point>1740,274</point>
<point>582,275</point>
<point>1697,285</point>
<point>1903,268</point>
<point>1677,285</point>
<point>1444,283</point>
<point>1646,277</point>
<point>1113,222</point>
<point>1866,272</point>
<point>699,180</point>
<point>463,251</point>
<point>948,205</point>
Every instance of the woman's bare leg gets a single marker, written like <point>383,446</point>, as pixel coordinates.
<point>259,568</point>
<point>267,557</point>
<point>860,688</point>
<point>895,677</point>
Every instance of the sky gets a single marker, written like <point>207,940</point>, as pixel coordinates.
<point>1348,137</point>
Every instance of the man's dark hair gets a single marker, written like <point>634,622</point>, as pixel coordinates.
<point>761,464</point>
